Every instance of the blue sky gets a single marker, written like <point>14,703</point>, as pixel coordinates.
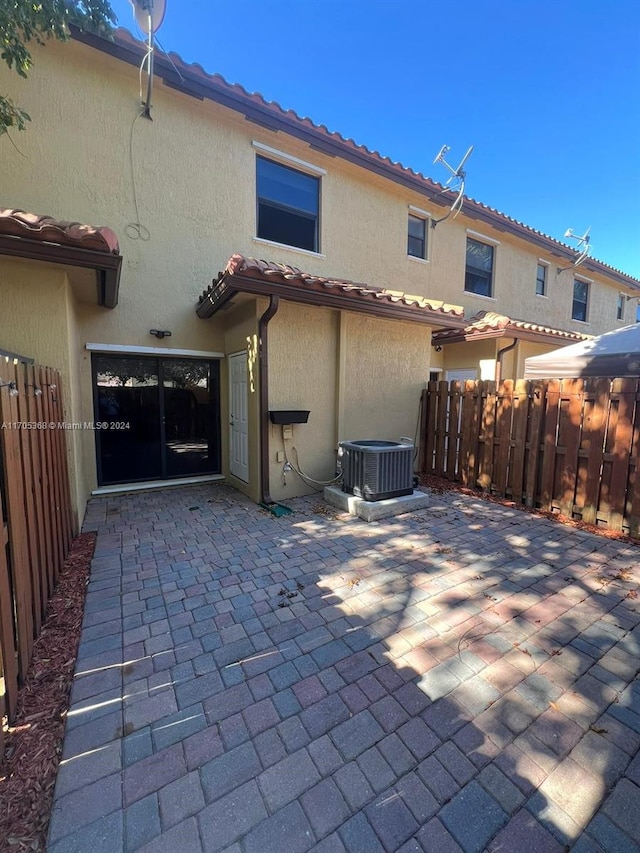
<point>547,92</point>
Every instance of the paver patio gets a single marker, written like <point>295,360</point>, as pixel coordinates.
<point>462,678</point>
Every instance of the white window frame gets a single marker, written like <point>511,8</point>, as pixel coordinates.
<point>419,213</point>
<point>288,159</point>
<point>295,163</point>
<point>589,283</point>
<point>489,241</point>
<point>546,265</point>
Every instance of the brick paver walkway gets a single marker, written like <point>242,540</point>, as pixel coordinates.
<point>463,678</point>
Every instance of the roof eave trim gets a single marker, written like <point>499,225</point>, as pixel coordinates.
<point>508,332</point>
<point>227,286</point>
<point>108,266</point>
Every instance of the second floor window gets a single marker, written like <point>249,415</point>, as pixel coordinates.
<point>620,308</point>
<point>580,300</point>
<point>479,270</point>
<point>417,237</point>
<point>288,205</point>
<point>541,280</point>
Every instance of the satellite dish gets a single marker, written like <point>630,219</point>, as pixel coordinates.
<point>583,248</point>
<point>149,14</point>
<point>458,174</point>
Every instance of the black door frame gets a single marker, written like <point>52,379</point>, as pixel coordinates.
<point>214,391</point>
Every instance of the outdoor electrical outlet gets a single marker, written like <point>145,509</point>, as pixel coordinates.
<point>280,456</point>
<point>287,431</point>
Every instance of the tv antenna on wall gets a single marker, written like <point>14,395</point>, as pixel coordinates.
<point>583,248</point>
<point>149,15</point>
<point>456,179</point>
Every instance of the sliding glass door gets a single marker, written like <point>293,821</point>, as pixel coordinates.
<point>159,417</point>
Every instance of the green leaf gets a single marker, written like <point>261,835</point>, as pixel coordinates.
<point>25,21</point>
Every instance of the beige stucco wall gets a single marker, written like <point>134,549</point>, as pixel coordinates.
<point>303,347</point>
<point>194,168</point>
<point>359,377</point>
<point>468,355</point>
<point>387,366</point>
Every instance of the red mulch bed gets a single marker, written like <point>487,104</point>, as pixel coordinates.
<point>34,743</point>
<point>439,485</point>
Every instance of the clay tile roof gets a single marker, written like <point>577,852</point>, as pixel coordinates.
<point>491,324</point>
<point>46,229</point>
<point>239,267</point>
<point>193,78</point>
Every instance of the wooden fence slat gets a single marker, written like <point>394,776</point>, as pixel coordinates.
<point>14,493</point>
<point>49,397</point>
<point>453,431</point>
<point>63,480</point>
<point>487,431</point>
<point>466,432</point>
<point>502,436</point>
<point>474,448</point>
<point>422,448</point>
<point>37,535</point>
<point>572,395</point>
<point>625,390</point>
<point>45,480</point>
<point>633,488</point>
<point>595,417</point>
<point>537,407</point>
<point>30,521</point>
<point>519,432</point>
<point>9,652</point>
<point>430,438</point>
<point>441,427</point>
<point>549,424</point>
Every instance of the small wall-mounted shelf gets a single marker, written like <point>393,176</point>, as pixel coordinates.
<point>289,416</point>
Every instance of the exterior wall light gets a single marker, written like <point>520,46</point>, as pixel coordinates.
<point>13,388</point>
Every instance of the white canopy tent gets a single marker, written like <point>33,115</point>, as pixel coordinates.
<point>613,354</point>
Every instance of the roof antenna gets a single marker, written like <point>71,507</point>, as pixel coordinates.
<point>458,175</point>
<point>149,15</point>
<point>583,248</point>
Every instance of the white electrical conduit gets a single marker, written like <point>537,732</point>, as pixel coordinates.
<point>307,479</point>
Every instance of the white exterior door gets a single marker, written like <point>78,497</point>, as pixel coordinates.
<point>238,403</point>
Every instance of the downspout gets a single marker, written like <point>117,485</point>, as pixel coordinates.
<point>263,374</point>
<point>501,352</point>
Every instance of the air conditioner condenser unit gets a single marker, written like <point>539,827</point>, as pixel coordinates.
<point>375,469</point>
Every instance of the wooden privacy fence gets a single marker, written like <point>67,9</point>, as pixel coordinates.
<point>35,513</point>
<point>569,446</point>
